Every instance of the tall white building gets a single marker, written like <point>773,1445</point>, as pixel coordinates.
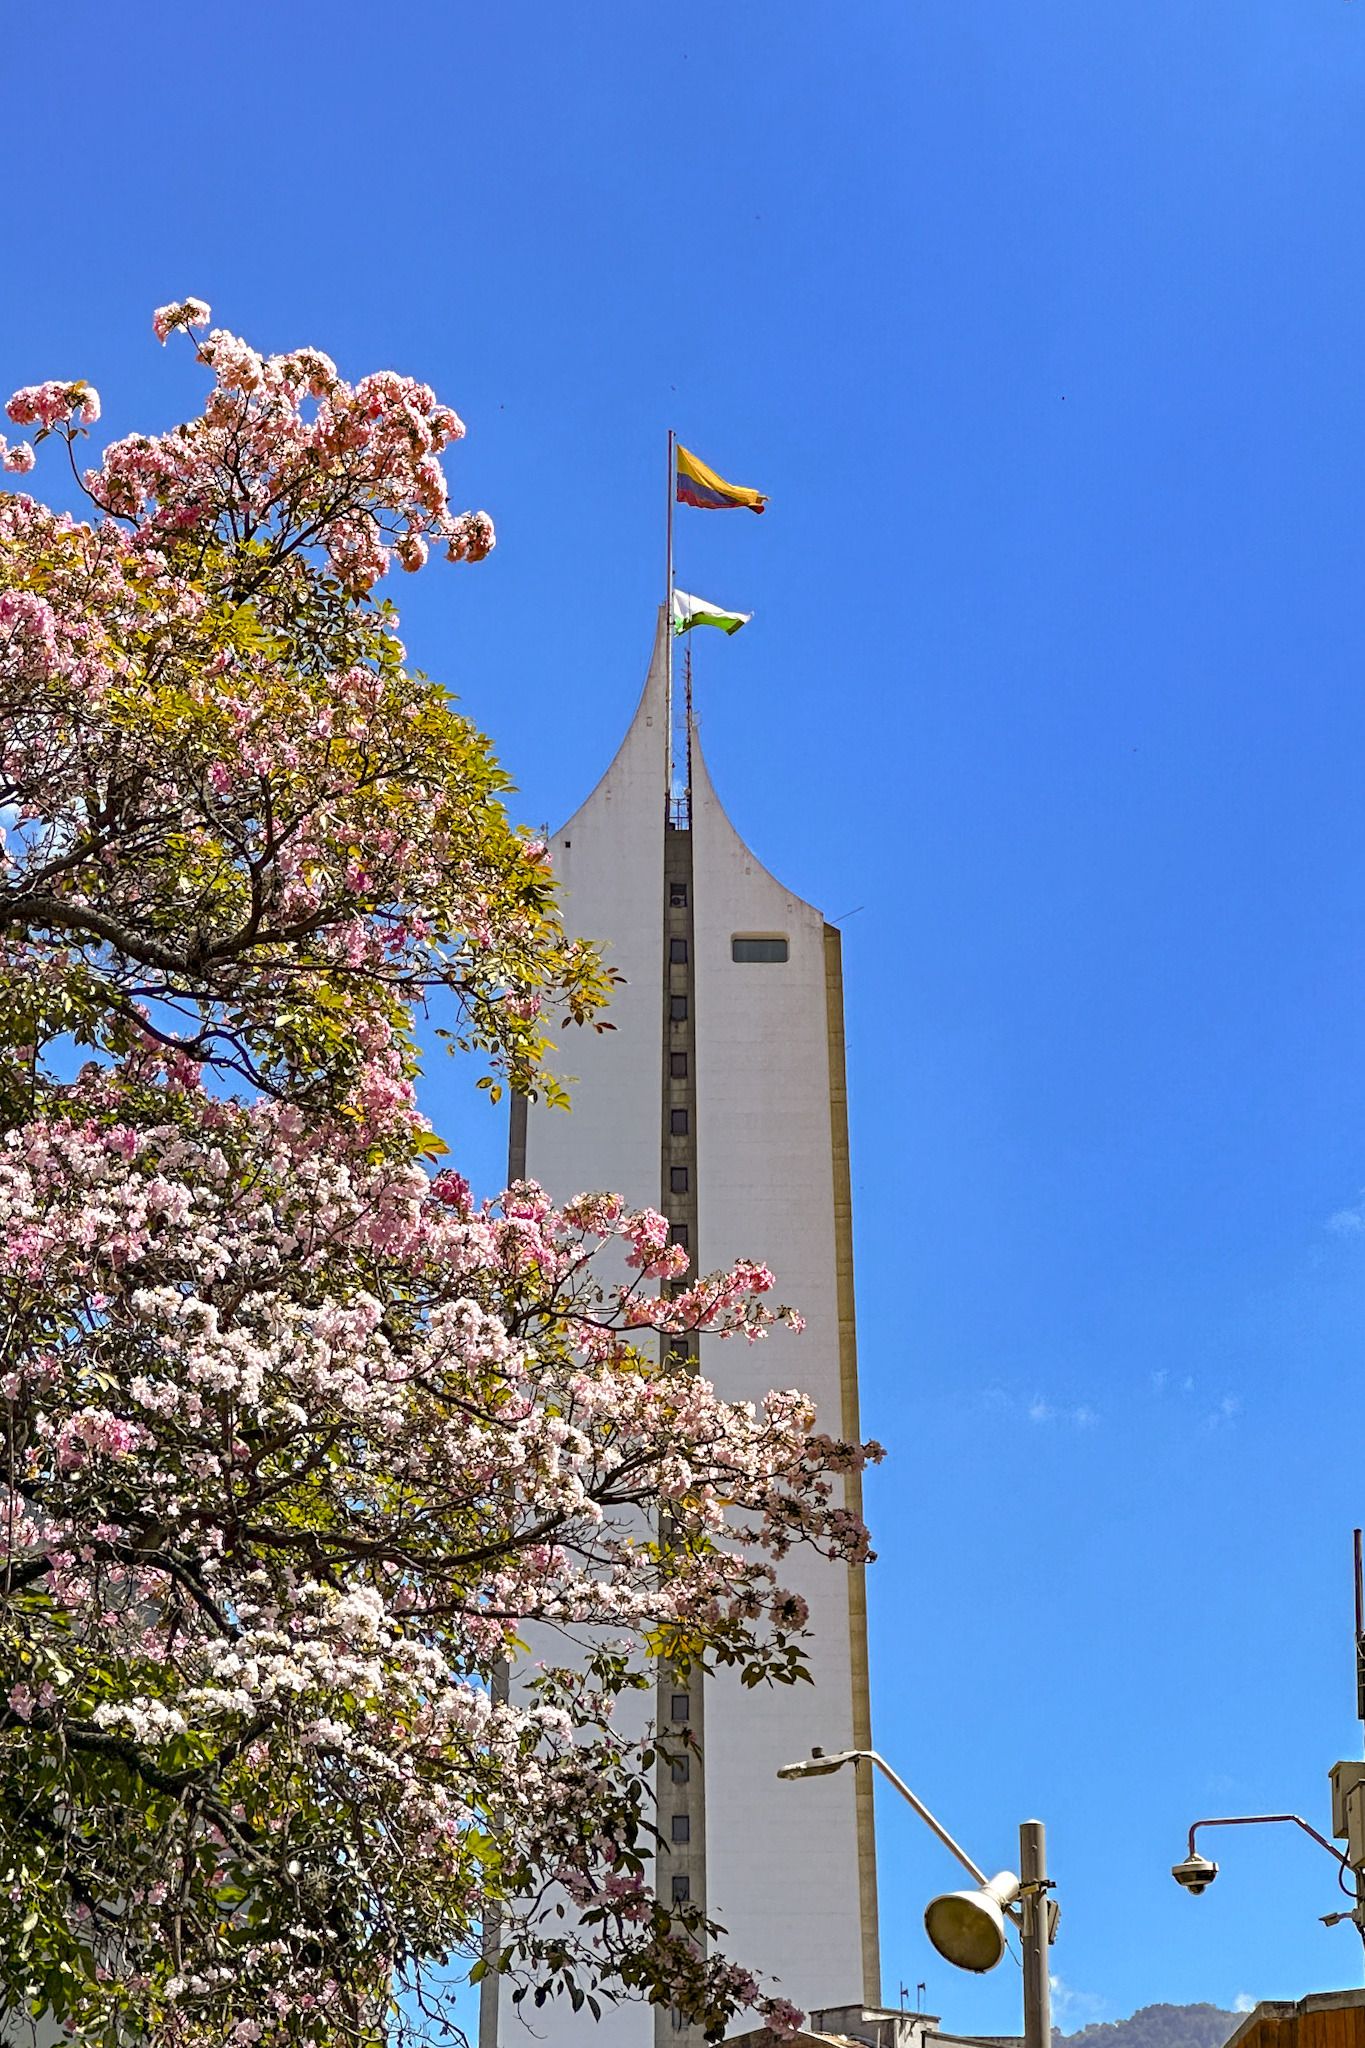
<point>719,1098</point>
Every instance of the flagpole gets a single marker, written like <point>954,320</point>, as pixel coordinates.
<point>668,630</point>
<point>687,708</point>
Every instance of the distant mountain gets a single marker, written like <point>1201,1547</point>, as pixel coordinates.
<point>1159,2026</point>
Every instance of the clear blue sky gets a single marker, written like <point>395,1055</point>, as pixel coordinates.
<point>1044,326</point>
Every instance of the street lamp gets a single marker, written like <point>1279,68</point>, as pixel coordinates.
<point>968,1927</point>
<point>1196,1873</point>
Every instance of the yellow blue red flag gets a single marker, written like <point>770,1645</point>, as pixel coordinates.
<point>698,485</point>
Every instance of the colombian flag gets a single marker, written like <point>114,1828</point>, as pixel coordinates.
<point>698,485</point>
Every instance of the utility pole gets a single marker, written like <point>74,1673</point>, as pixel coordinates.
<point>1037,1912</point>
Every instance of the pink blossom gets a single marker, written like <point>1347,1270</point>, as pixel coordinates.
<point>180,313</point>
<point>308,1440</point>
<point>46,405</point>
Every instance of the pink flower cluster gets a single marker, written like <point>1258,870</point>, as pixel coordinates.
<point>180,313</point>
<point>286,444</point>
<point>49,405</point>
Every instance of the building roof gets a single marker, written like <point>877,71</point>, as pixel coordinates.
<point>1325,2019</point>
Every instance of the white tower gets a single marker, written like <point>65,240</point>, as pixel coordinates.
<point>719,1098</point>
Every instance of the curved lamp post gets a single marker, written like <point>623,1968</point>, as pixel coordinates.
<point>1196,1873</point>
<point>968,1927</point>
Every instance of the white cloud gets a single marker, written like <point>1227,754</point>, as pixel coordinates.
<point>1348,1222</point>
<point>1072,2009</point>
<point>1081,1416</point>
<point>1225,1414</point>
<point>1038,1409</point>
<point>1244,2002</point>
<point>1077,1418</point>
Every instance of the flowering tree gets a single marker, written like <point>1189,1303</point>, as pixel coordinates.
<point>298,1438</point>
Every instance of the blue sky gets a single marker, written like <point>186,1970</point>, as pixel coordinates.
<point>1044,326</point>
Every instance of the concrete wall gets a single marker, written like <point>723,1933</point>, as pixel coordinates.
<point>782,1858</point>
<point>786,1867</point>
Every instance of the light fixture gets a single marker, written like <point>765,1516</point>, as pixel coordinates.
<point>818,1765</point>
<point>968,1928</point>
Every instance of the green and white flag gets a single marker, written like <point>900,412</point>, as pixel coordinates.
<point>695,611</point>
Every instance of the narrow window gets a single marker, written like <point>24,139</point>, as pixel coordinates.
<point>677,1121</point>
<point>677,1234</point>
<point>682,1828</point>
<point>677,1180</point>
<point>677,1066</point>
<point>678,1707</point>
<point>682,1888</point>
<point>757,949</point>
<point>681,1769</point>
<point>677,951</point>
<point>677,1008</point>
<point>677,895</point>
<point>677,1347</point>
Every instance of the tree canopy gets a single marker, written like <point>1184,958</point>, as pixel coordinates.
<point>300,1438</point>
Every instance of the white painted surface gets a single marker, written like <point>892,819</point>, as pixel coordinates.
<point>781,1857</point>
<point>609,859</point>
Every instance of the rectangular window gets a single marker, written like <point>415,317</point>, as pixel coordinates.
<point>677,951</point>
<point>679,1707</point>
<point>677,895</point>
<point>677,1066</point>
<point>682,1888</point>
<point>677,1008</point>
<point>677,1347</point>
<point>677,1122</point>
<point>677,1234</point>
<point>757,949</point>
<point>682,1828</point>
<point>681,1769</point>
<point>677,1180</point>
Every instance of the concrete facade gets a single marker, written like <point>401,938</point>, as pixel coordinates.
<point>719,1098</point>
<point>858,2026</point>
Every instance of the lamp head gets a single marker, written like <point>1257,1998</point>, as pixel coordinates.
<point>1196,1874</point>
<point>968,1928</point>
<point>816,1765</point>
